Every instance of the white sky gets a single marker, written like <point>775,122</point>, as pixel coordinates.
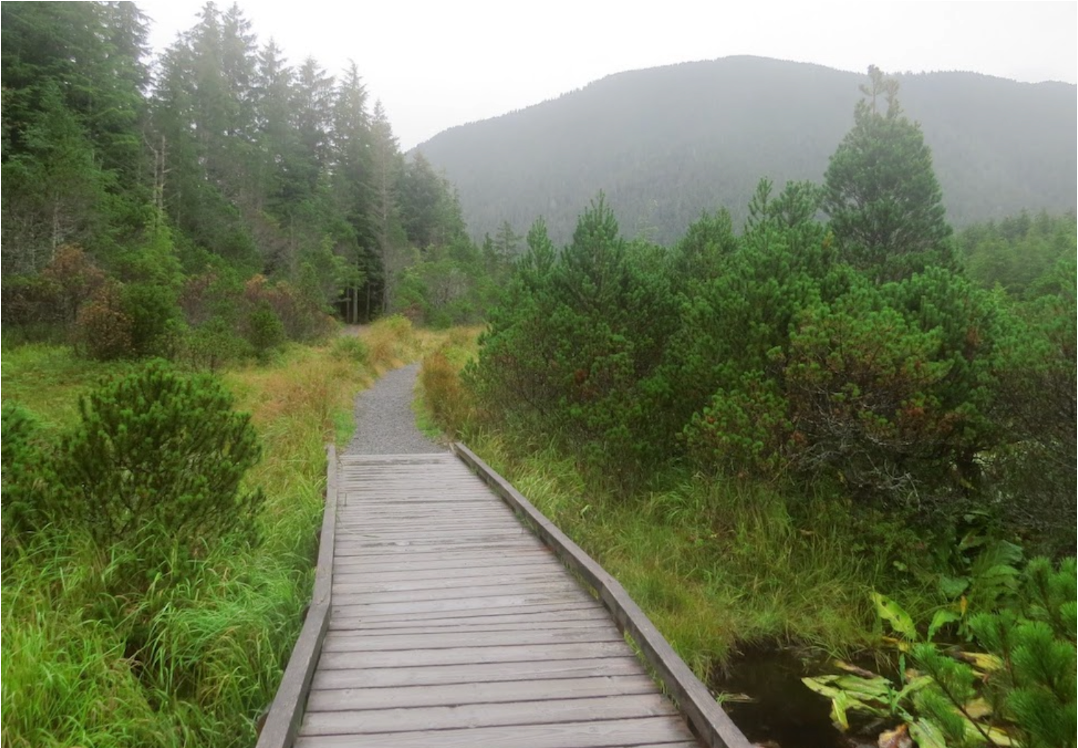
<point>439,63</point>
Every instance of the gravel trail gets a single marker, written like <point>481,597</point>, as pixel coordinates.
<point>385,423</point>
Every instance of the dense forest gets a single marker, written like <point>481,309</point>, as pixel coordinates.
<point>667,143</point>
<point>217,196</point>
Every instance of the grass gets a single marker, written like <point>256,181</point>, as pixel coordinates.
<point>717,565</point>
<point>197,658</point>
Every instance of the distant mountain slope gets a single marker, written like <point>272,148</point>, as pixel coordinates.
<point>666,143</point>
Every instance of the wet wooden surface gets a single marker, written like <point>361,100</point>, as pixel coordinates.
<point>451,624</point>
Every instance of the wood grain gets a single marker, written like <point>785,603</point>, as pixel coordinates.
<point>450,623</point>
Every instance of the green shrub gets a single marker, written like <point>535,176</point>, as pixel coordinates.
<point>22,458</point>
<point>265,331</point>
<point>213,345</point>
<point>156,463</point>
<point>103,329</point>
<point>575,348</point>
<point>154,318</point>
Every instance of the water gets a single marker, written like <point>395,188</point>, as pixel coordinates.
<point>783,712</point>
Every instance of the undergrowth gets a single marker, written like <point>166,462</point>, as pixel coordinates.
<point>197,658</point>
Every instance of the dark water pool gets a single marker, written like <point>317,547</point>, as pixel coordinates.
<point>783,712</point>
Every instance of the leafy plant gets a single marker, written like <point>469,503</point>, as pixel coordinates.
<point>1018,691</point>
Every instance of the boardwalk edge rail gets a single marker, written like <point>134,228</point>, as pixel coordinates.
<point>707,719</point>
<point>286,712</point>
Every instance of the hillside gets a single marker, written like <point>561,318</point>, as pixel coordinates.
<point>666,143</point>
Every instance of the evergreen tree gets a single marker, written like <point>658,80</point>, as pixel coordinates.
<point>388,257</point>
<point>881,194</point>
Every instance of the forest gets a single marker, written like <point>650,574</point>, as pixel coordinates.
<point>824,423</point>
<point>189,198</point>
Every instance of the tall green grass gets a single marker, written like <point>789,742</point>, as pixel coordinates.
<point>197,659</point>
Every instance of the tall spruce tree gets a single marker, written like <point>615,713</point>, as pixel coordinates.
<point>881,193</point>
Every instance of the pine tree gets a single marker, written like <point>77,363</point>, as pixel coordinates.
<point>881,193</point>
<point>390,256</point>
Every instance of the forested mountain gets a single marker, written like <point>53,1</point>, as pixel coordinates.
<point>214,187</point>
<point>667,143</point>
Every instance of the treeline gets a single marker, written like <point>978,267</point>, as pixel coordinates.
<point>855,354</point>
<point>665,143</point>
<point>219,199</point>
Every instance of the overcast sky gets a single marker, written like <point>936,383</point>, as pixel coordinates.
<point>436,64</point>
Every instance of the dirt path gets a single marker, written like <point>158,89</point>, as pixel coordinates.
<point>385,423</point>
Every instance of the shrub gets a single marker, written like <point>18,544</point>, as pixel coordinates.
<point>104,329</point>
<point>265,331</point>
<point>74,277</point>
<point>156,463</point>
<point>23,460</point>
<point>300,318</point>
<point>212,345</point>
<point>154,318</point>
<point>350,349</point>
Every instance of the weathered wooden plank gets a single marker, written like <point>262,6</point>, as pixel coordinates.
<point>405,547</point>
<point>359,642</point>
<point>470,655</point>
<point>523,552</point>
<point>374,567</point>
<point>483,692</point>
<point>480,629</point>
<point>549,585</point>
<point>626,733</point>
<point>444,606</point>
<point>357,583</point>
<point>492,525</point>
<point>710,722</point>
<point>490,672</point>
<point>482,537</point>
<point>627,706</point>
<point>457,617</point>
<point>283,720</point>
<point>394,527</point>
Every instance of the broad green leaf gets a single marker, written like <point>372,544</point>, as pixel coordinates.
<point>878,688</point>
<point>823,686</point>
<point>892,612</point>
<point>839,705</point>
<point>941,619</point>
<point>914,684</point>
<point>927,735</point>
<point>952,587</point>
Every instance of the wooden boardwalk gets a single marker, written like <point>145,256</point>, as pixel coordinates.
<point>450,623</point>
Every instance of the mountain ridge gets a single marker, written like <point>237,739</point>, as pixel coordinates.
<point>666,143</point>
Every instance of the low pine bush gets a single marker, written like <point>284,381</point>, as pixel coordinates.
<point>161,454</point>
